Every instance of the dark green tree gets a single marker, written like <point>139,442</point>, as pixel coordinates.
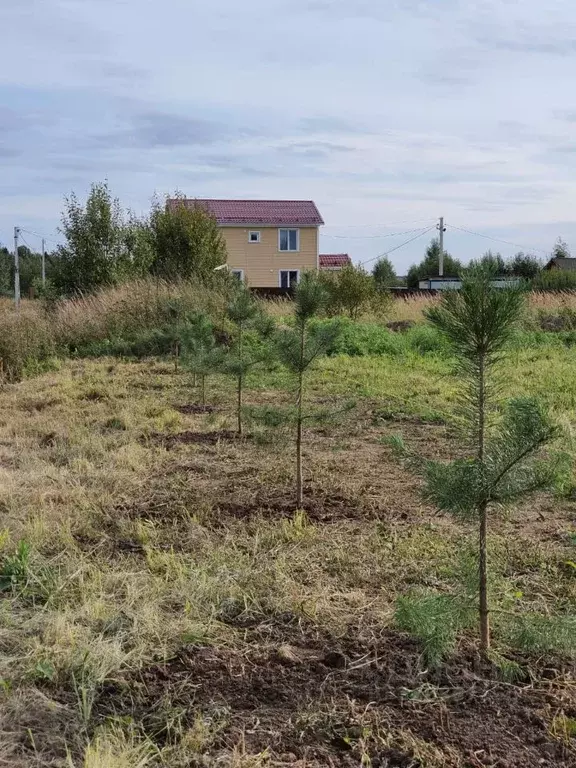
<point>493,262</point>
<point>6,260</point>
<point>525,265</point>
<point>184,240</point>
<point>429,266</point>
<point>300,345</point>
<point>30,265</point>
<point>504,463</point>
<point>384,274</point>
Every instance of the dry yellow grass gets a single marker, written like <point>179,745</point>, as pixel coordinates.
<point>162,575</point>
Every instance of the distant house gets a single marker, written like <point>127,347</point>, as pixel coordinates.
<point>564,263</point>
<point>334,261</point>
<point>270,243</point>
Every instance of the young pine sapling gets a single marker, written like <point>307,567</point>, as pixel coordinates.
<point>200,353</point>
<point>504,462</point>
<point>246,352</point>
<point>300,345</point>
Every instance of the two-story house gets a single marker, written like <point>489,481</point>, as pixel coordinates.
<point>270,243</point>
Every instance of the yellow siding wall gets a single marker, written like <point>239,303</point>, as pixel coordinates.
<point>261,261</point>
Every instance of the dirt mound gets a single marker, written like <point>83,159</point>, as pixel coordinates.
<point>191,408</point>
<point>281,503</point>
<point>337,702</point>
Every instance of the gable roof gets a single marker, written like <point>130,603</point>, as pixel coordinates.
<point>562,262</point>
<point>297,213</point>
<point>328,260</point>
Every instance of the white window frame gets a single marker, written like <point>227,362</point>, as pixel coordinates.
<point>289,229</point>
<point>288,270</point>
<point>254,232</point>
<point>239,272</point>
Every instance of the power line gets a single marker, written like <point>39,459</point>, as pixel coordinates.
<point>373,237</point>
<point>496,239</point>
<point>397,247</point>
<point>26,243</point>
<point>42,237</point>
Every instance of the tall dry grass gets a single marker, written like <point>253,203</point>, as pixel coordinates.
<point>130,308</point>
<point>37,331</point>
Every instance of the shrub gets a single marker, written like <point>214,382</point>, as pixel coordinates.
<point>350,291</point>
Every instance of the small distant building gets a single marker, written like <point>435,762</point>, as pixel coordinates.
<point>563,263</point>
<point>334,261</point>
<point>446,283</point>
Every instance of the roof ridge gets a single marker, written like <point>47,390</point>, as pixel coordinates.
<point>247,199</point>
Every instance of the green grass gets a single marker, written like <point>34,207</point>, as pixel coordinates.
<point>120,555</point>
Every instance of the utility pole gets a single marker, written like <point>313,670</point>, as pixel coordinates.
<point>441,228</point>
<point>43,262</point>
<point>16,269</point>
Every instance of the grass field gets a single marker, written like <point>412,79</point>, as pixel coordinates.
<point>165,605</point>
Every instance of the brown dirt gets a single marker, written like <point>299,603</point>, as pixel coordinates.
<point>325,702</point>
<point>201,438</point>
<point>191,408</point>
<point>319,505</point>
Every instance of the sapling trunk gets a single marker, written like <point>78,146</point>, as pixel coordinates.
<point>203,388</point>
<point>240,382</point>
<point>176,351</point>
<point>483,515</point>
<point>299,484</point>
<point>239,405</point>
<point>483,574</point>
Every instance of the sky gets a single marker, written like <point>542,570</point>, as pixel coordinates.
<point>387,113</point>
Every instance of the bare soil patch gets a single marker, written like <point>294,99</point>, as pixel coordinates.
<point>320,506</point>
<point>318,701</point>
<point>192,408</point>
<point>201,438</point>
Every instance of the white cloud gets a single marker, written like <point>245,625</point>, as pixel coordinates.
<point>381,112</point>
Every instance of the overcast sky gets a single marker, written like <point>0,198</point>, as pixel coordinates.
<point>387,113</point>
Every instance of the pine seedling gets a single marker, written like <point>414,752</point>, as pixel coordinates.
<point>300,345</point>
<point>175,329</point>
<point>244,353</point>
<point>504,462</point>
<point>200,353</point>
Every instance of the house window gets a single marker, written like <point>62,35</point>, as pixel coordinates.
<point>253,236</point>
<point>288,240</point>
<point>238,274</point>
<point>289,277</point>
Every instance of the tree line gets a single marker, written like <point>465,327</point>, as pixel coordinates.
<point>105,244</point>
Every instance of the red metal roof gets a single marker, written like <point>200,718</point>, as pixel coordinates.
<point>328,260</point>
<point>301,213</point>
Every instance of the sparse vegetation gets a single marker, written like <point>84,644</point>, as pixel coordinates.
<point>244,353</point>
<point>164,603</point>
<point>300,346</point>
<point>503,462</point>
